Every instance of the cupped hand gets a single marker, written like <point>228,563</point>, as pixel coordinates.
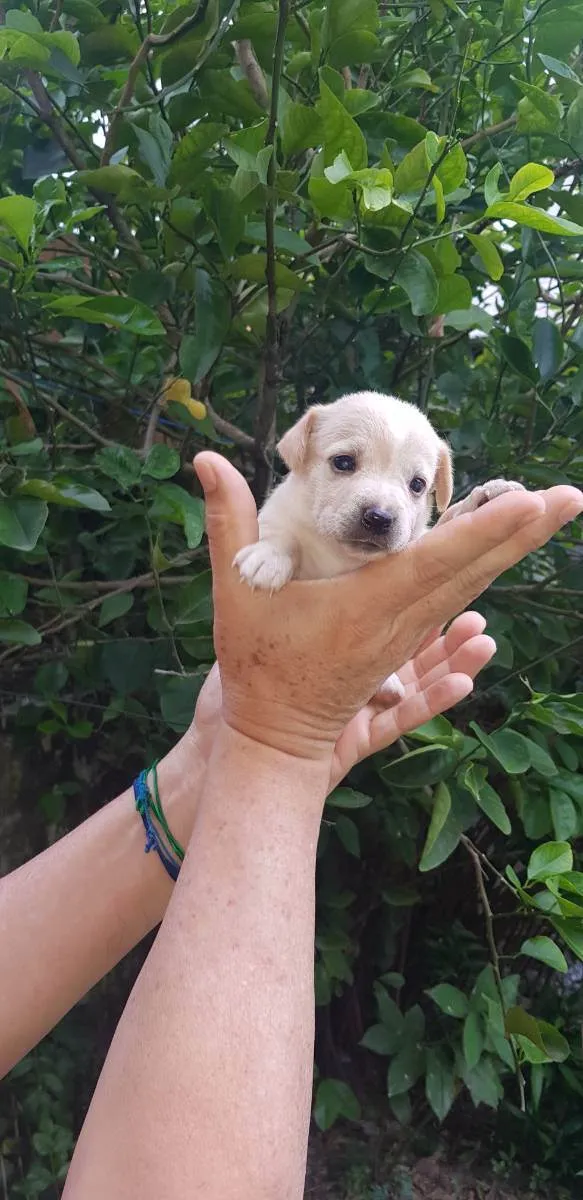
<point>439,676</point>
<point>297,667</point>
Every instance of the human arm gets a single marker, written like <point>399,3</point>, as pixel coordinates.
<point>93,895</point>
<point>206,1088</point>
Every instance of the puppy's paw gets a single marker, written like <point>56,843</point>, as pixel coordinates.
<point>263,566</point>
<point>489,491</point>
<point>390,692</point>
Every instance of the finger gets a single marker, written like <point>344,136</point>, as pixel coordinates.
<point>469,659</point>
<point>462,546</point>
<point>462,628</point>
<point>231,515</point>
<point>387,726</point>
<point>561,505</point>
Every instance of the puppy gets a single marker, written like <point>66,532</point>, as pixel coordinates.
<point>363,475</point>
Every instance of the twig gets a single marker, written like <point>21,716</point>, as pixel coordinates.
<point>488,132</point>
<point>106,585</point>
<point>265,419</point>
<point>149,43</point>
<point>495,959</point>
<point>228,430</point>
<point>255,77</point>
<point>63,412</point>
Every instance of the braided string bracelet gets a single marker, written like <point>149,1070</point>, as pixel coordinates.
<point>164,843</point>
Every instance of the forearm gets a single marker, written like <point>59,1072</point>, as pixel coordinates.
<point>68,916</point>
<point>207,1085</point>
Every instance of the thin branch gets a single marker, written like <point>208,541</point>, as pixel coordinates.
<point>255,77</point>
<point>149,43</point>
<point>61,410</point>
<point>488,132</point>
<point>265,419</point>
<point>495,958</point>
<point>228,430</point>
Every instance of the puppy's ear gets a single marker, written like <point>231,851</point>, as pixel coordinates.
<point>443,486</point>
<point>294,445</point>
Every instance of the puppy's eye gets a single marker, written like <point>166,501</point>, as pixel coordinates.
<point>417,485</point>
<point>344,462</point>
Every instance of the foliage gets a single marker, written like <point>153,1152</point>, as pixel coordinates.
<point>212,215</point>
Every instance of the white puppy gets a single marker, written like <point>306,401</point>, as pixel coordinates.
<point>363,475</point>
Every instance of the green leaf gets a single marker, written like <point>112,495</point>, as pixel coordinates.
<point>348,798</point>
<point>491,189</point>
<point>534,218</point>
<point>532,177</point>
<point>13,594</point>
<point>544,1036</point>
<point>112,179</point>
<point>253,267</point>
<point>449,999</point>
<point>190,149</point>
<point>483,1083</point>
<point>575,122</point>
<point>547,347</point>
<point>119,463</point>
<point>489,254</point>
<point>200,350</point>
<point>538,110</point>
<point>439,814</point>
<point>347,831</point>
<point>510,749</point>
<point>172,503</point>
<point>556,67</point>
<point>453,170</point>
<point>380,1040</point>
<point>472,1039</point>
<point>389,1012</point>
<point>454,293</point>
<point>564,815</point>
<point>65,492</point>
<point>413,171</point>
<point>418,279</point>
<point>114,606</point>
<point>300,128</point>
<point>127,665</point>
<point>475,780</point>
<point>405,1069</point>
<point>155,145</point>
<point>545,950</point>
<point>178,697</point>
<point>518,356</point>
<point>119,311</point>
<point>334,1099</point>
<point>162,462</point>
<point>17,214</point>
<point>22,520</point>
<point>340,131</point>
<point>553,858</point>
<point>19,633</point>
<point>439,1083</point>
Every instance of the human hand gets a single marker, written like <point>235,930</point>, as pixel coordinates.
<point>297,667</point>
<point>440,675</point>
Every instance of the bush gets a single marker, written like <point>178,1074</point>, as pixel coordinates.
<point>211,216</point>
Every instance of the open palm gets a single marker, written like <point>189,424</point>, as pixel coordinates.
<point>440,675</point>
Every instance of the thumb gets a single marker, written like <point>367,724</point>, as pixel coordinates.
<point>231,515</point>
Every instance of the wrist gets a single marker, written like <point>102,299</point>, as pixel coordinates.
<point>254,757</point>
<point>180,781</point>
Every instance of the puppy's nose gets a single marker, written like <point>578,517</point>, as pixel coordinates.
<point>376,520</point>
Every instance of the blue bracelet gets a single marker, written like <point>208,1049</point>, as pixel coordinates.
<point>153,841</point>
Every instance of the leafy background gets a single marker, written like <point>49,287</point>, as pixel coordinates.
<point>211,215</point>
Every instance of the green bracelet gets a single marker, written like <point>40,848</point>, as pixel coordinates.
<point>158,811</point>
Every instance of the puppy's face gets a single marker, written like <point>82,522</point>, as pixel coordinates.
<point>370,466</point>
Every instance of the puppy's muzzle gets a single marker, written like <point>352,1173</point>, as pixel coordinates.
<point>377,521</point>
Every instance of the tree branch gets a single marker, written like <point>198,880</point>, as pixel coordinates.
<point>488,132</point>
<point>61,410</point>
<point>495,958</point>
<point>265,418</point>
<point>255,77</point>
<point>150,42</point>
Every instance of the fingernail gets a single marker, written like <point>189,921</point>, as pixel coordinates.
<point>571,510</point>
<point>206,474</point>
